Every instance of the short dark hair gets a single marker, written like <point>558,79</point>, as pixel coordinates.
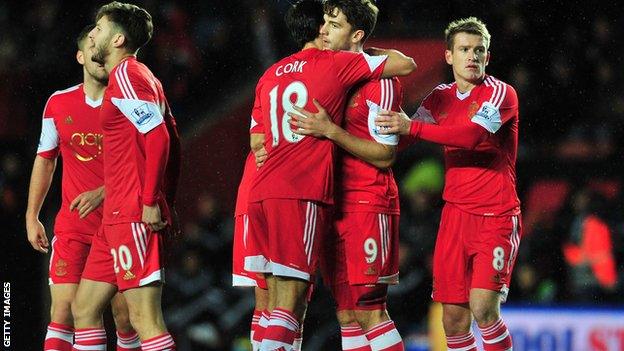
<point>83,35</point>
<point>361,14</point>
<point>304,20</point>
<point>133,21</point>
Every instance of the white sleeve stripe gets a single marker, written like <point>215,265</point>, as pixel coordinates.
<point>382,93</point>
<point>495,92</point>
<point>502,96</point>
<point>391,89</point>
<point>125,75</point>
<point>384,102</point>
<point>121,84</point>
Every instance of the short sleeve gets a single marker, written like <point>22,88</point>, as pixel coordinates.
<point>353,68</point>
<point>139,100</point>
<point>500,108</point>
<point>49,139</point>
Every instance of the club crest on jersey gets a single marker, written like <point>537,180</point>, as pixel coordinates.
<point>69,120</point>
<point>472,109</point>
<point>142,114</point>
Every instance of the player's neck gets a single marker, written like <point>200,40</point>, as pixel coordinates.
<point>464,86</point>
<point>115,58</point>
<point>314,44</point>
<point>92,87</point>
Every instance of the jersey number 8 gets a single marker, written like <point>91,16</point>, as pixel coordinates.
<point>301,92</point>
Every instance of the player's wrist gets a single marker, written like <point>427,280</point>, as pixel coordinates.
<point>414,128</point>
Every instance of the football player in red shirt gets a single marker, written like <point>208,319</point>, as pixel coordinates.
<point>476,120</point>
<point>72,129</point>
<point>127,253</point>
<point>363,259</point>
<point>291,193</point>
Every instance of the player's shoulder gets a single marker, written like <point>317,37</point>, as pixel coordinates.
<point>64,96</point>
<point>67,92</point>
<point>499,92</point>
<point>439,92</point>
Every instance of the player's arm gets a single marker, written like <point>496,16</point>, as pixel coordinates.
<point>320,124</point>
<point>397,63</point>
<point>172,174</point>
<point>142,107</point>
<point>487,120</point>
<point>40,180</point>
<point>462,136</point>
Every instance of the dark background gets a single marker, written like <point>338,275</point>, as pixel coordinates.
<point>563,57</point>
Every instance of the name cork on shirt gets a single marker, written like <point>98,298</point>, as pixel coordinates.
<point>292,67</point>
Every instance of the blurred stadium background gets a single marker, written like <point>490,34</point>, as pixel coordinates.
<point>563,58</point>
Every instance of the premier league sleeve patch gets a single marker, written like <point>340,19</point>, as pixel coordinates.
<point>144,115</point>
<point>488,117</point>
<point>373,130</point>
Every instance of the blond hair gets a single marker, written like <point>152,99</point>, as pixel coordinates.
<point>471,25</point>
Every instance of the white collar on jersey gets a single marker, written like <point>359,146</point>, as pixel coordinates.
<point>93,103</point>
<point>462,96</point>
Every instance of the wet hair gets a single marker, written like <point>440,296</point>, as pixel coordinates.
<point>134,22</point>
<point>470,25</point>
<point>361,14</point>
<point>304,20</point>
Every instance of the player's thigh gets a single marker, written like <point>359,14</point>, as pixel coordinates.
<point>92,297</point>
<point>144,302</point>
<point>296,229</point>
<point>451,269</point>
<point>240,244</point>
<point>495,250</point>
<point>257,240</point>
<point>371,247</point>
<point>138,254</point>
<point>68,258</point>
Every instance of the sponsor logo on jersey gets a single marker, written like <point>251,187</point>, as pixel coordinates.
<point>87,139</point>
<point>142,114</point>
<point>128,276</point>
<point>69,120</point>
<point>60,268</point>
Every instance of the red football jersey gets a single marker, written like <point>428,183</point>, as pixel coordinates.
<point>362,186</point>
<point>300,167</point>
<point>480,181</point>
<point>242,198</point>
<point>70,125</point>
<point>134,104</point>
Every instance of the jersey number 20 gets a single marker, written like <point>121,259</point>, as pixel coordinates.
<point>301,94</point>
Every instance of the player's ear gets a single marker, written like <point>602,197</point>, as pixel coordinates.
<point>119,40</point>
<point>487,58</point>
<point>448,55</point>
<point>358,35</point>
<point>80,57</point>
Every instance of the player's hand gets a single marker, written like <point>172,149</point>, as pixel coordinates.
<point>261,156</point>
<point>390,122</point>
<point>317,124</point>
<point>88,201</point>
<point>37,235</point>
<point>152,218</point>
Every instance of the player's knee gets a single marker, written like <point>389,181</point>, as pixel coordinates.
<point>346,317</point>
<point>485,313</point>
<point>121,318</point>
<point>61,312</point>
<point>456,322</point>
